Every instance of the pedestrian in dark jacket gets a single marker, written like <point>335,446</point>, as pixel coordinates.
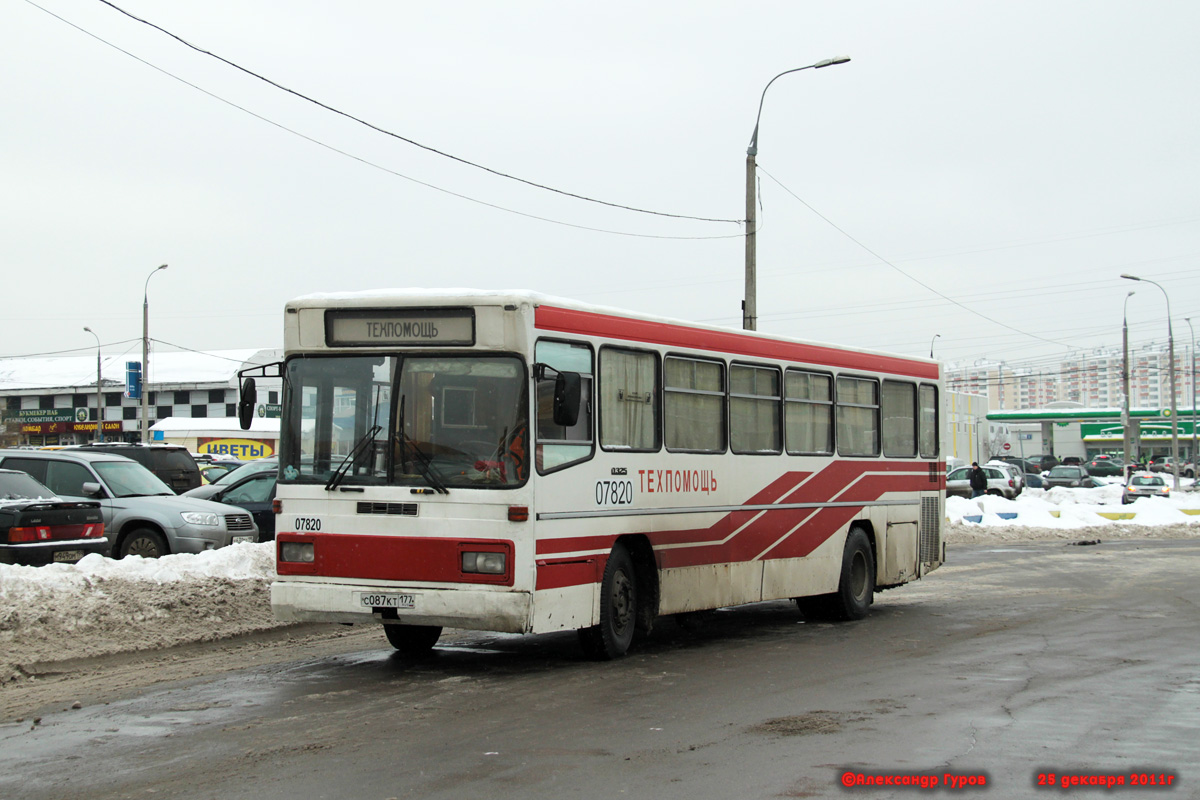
<point>978,480</point>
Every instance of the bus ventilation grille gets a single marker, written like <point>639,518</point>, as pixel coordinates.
<point>931,530</point>
<point>393,509</point>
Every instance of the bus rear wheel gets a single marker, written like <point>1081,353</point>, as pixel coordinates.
<point>618,609</point>
<point>412,641</point>
<point>856,584</point>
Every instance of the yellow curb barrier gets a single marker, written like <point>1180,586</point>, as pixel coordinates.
<point>1117,514</point>
<point>1193,511</point>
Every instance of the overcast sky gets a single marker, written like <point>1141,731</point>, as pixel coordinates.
<point>980,171</point>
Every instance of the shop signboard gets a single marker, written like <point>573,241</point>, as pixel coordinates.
<point>243,449</point>
<point>31,415</point>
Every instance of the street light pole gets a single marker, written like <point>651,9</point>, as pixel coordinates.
<point>145,425</point>
<point>1192,330</point>
<point>936,336</point>
<point>99,393</point>
<point>750,304</point>
<point>1171,378</point>
<point>1125,424</point>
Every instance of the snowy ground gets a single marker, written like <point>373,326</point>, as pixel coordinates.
<point>101,607</point>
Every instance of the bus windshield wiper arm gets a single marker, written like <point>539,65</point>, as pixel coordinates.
<point>424,465</point>
<point>344,467</point>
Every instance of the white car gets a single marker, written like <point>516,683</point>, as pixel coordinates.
<point>1014,472</point>
<point>1000,482</point>
<point>1145,484</point>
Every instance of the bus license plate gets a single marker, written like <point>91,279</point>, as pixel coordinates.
<point>68,556</point>
<point>386,600</point>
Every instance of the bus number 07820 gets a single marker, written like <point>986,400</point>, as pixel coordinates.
<point>614,493</point>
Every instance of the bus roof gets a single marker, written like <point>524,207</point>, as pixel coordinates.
<point>563,314</point>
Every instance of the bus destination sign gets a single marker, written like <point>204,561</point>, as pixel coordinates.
<point>374,327</point>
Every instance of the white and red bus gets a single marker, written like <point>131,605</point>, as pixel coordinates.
<point>508,461</point>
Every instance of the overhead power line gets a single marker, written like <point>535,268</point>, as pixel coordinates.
<point>912,278</point>
<point>367,162</point>
<point>405,139</point>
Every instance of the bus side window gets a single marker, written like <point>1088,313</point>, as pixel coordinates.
<point>694,404</point>
<point>857,416</point>
<point>558,446</point>
<point>928,421</point>
<point>754,410</point>
<point>628,400</point>
<point>808,412</point>
<point>899,419</point>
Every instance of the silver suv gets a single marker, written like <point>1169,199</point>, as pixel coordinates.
<point>142,516</point>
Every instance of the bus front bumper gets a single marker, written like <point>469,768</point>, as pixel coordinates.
<point>471,609</point>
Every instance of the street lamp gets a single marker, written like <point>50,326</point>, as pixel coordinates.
<point>99,394</point>
<point>750,305</point>
<point>936,336</point>
<point>1188,320</point>
<point>1171,378</point>
<point>146,353</point>
<point>1125,423</point>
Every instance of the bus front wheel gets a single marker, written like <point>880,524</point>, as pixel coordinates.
<point>618,609</point>
<point>412,641</point>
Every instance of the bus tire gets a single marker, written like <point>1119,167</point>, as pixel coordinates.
<point>145,543</point>
<point>412,641</point>
<point>856,587</point>
<point>618,609</point>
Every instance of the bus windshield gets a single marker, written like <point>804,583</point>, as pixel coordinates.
<point>443,422</point>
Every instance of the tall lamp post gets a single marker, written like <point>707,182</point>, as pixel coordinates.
<point>1125,423</point>
<point>146,353</point>
<point>750,304</point>
<point>99,394</point>
<point>1171,378</point>
<point>1192,330</point>
<point>936,336</point>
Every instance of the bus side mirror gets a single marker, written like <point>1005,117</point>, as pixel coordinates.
<point>567,394</point>
<point>249,396</point>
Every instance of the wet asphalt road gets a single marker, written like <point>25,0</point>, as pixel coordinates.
<point>1011,663</point>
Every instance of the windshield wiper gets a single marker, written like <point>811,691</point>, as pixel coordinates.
<point>348,461</point>
<point>424,465</point>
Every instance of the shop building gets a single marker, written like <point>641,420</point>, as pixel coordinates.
<point>52,400</point>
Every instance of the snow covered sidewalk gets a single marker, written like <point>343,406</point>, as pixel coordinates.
<point>100,606</point>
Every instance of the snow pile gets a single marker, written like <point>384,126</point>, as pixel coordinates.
<point>100,606</point>
<point>1073,508</point>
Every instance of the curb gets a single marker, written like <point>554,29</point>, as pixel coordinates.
<point>1113,515</point>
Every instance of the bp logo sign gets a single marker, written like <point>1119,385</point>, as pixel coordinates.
<point>81,415</point>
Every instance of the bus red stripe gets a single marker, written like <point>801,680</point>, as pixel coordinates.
<point>588,323</point>
<point>840,481</point>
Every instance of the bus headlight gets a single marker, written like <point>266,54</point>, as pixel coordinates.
<point>486,563</point>
<point>298,552</point>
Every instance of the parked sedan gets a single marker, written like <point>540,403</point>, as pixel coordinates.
<point>958,482</point>
<point>1145,484</point>
<point>1105,465</point>
<point>38,527</point>
<point>254,492</point>
<point>1166,465</point>
<point>142,516</point>
<point>1067,475</point>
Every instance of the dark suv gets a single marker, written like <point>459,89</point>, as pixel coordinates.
<point>172,463</point>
